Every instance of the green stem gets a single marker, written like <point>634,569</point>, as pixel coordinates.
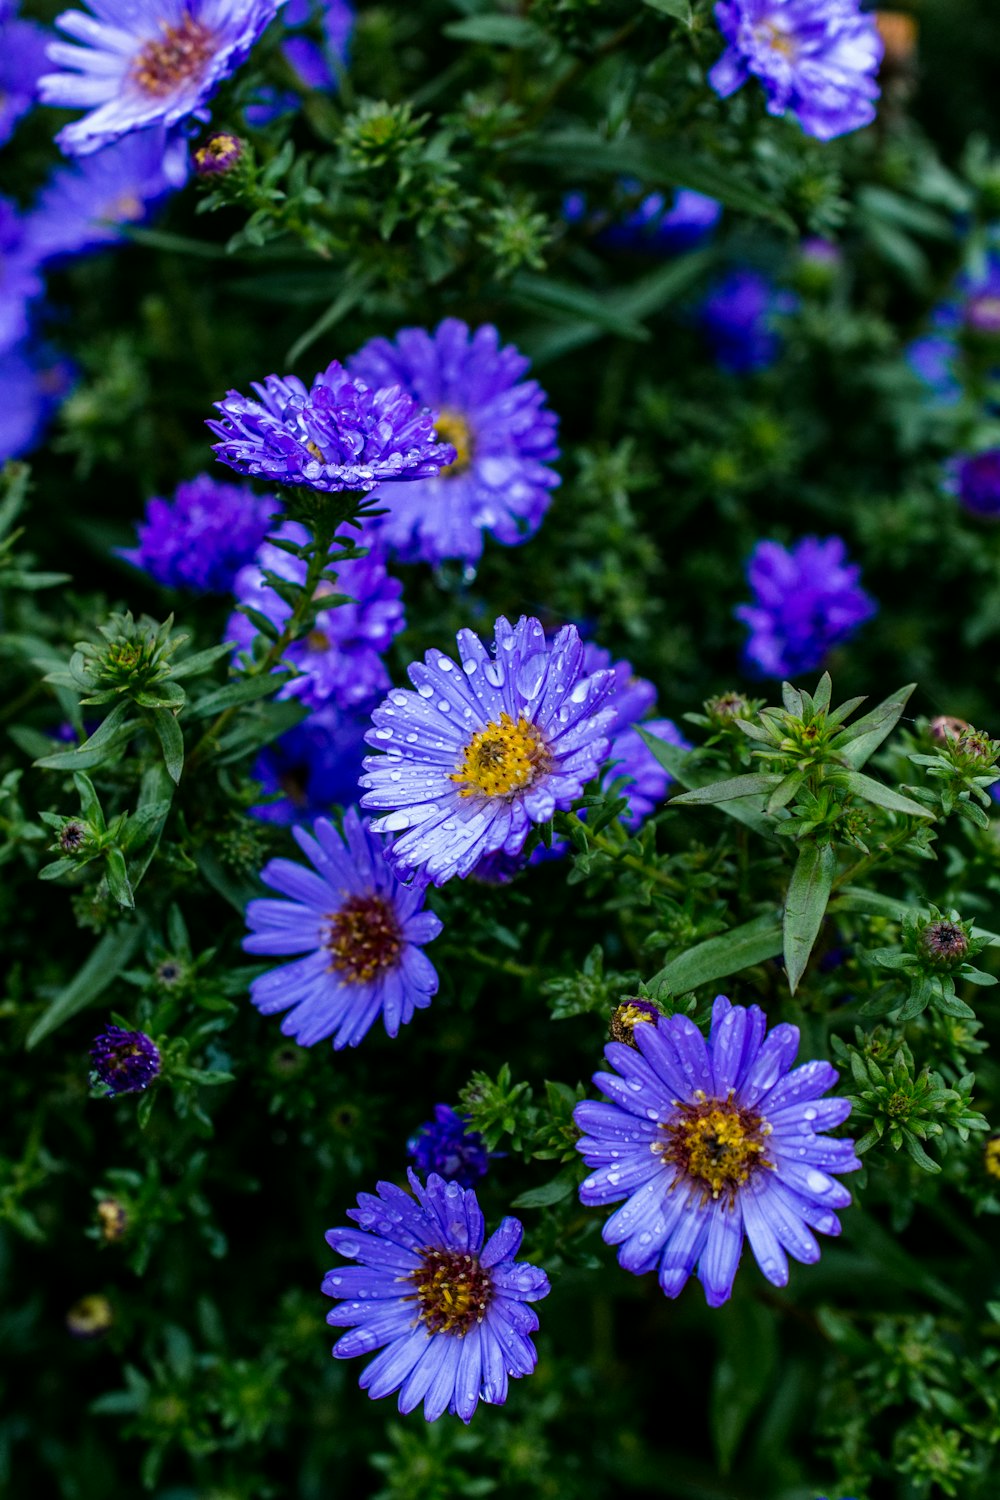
<point>887,847</point>
<point>632,861</point>
<point>491,961</point>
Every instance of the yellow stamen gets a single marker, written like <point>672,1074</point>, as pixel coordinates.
<point>716,1143</point>
<point>182,52</point>
<point>451,427</point>
<point>502,759</point>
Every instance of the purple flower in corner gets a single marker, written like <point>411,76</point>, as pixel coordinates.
<point>817,58</point>
<point>807,600</point>
<point>448,1312</point>
<point>713,1144</point>
<point>311,768</point>
<point>203,537</point>
<point>445,1146</point>
<point>361,933</point>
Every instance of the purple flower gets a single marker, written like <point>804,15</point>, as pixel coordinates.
<point>20,282</point>
<point>739,317</point>
<point>314,766</point>
<point>361,931</point>
<point>338,435</point>
<point>637,773</point>
<point>203,537</point>
<point>502,432</point>
<point>480,753</point>
<point>86,203</point>
<point>806,601</point>
<point>818,58</point>
<point>147,62</point>
<point>970,316</point>
<point>22,62</point>
<point>631,697</point>
<point>340,660</point>
<point>126,1062</point>
<point>33,384</point>
<point>975,479</point>
<point>653,226</point>
<point>711,1143</point>
<point>443,1145</point>
<point>318,65</point>
<point>447,1311</point>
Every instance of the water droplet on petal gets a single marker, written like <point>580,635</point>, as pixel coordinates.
<point>470,668</point>
<point>494,673</point>
<point>445,664</point>
<point>425,690</point>
<point>383,734</point>
<point>395,822</point>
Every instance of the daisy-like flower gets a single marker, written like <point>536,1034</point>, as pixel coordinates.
<point>445,1146</point>
<point>338,435</point>
<point>310,768</point>
<point>975,479</point>
<point>33,384</point>
<point>711,1144</point>
<point>203,537</point>
<point>483,750</point>
<point>448,1312</point>
<point>146,62</point>
<point>360,930</point>
<point>503,436</point>
<point>817,58</point>
<point>741,317</point>
<point>339,662</point>
<point>807,600</point>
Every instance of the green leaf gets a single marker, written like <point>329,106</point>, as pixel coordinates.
<point>858,898</point>
<point>541,292</point>
<point>683,768</point>
<point>348,299</point>
<point>679,9</point>
<point>112,954</point>
<point>717,957</point>
<point>743,1372</point>
<point>496,31</point>
<point>551,1192</point>
<point>171,739</point>
<point>805,904</point>
<point>117,877</point>
<point>201,661</point>
<point>882,796</point>
<point>860,740</point>
<point>734,786</point>
<point>246,689</point>
<point>114,732</point>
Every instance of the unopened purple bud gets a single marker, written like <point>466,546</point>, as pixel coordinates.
<point>126,1062</point>
<point>219,155</point>
<point>943,944</point>
<point>445,1146</point>
<point>982,315</point>
<point>947,728</point>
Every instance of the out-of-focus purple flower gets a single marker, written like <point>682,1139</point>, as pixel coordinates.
<point>86,203</point>
<point>740,317</point>
<point>340,661</point>
<point>20,282</point>
<point>318,64</point>
<point>641,777</point>
<point>975,479</point>
<point>33,385</point>
<point>445,1146</point>
<point>969,318</point>
<point>146,62</point>
<point>314,766</point>
<point>654,226</point>
<point>502,432</point>
<point>807,599</point>
<point>23,60</point>
<point>126,1062</point>
<point>203,537</point>
<point>817,58</point>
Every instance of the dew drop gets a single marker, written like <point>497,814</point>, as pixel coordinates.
<point>444,706</point>
<point>470,668</point>
<point>809,1114</point>
<point>399,699</point>
<point>425,690</point>
<point>508,643</point>
<point>395,822</point>
<point>383,734</point>
<point>494,673</point>
<point>395,775</point>
<point>579,693</point>
<point>411,739</point>
<point>816,1182</point>
<point>348,1247</point>
<point>445,664</point>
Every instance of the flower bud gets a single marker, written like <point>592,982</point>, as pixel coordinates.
<point>90,1317</point>
<point>126,1062</point>
<point>112,1219</point>
<point>943,945</point>
<point>630,1014</point>
<point>946,727</point>
<point>219,155</point>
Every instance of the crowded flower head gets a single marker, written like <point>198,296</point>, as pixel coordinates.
<point>447,1311</point>
<point>711,1144</point>
<point>483,749</point>
<point>807,600</point>
<point>340,434</point>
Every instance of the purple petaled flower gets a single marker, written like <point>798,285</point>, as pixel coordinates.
<point>447,1311</point>
<point>86,204</point>
<point>338,435</point>
<point>313,767</point>
<point>711,1143</point>
<point>361,931</point>
<point>975,479</point>
<point>807,600</point>
<point>503,436</point>
<point>969,317</point>
<point>147,62</point>
<point>481,752</point>
<point>740,317</point>
<point>443,1145</point>
<point>203,537</point>
<point>340,660</point>
<point>23,60</point>
<point>818,58</point>
<point>317,65</point>
<point>32,386</point>
<point>126,1062</point>
<point>653,226</point>
<point>20,282</point>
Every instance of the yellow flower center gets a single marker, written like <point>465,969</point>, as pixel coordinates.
<point>453,1290</point>
<point>179,54</point>
<point>363,939</point>
<point>991,1157</point>
<point>503,759</point>
<point>776,38</point>
<point>716,1143</point>
<point>451,427</point>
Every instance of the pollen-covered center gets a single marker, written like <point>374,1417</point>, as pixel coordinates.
<point>502,759</point>
<point>777,39</point>
<point>716,1143</point>
<point>363,939</point>
<point>453,1290</point>
<point>177,55</point>
<point>451,427</point>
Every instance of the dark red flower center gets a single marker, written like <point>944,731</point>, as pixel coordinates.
<point>715,1143</point>
<point>181,52</point>
<point>364,938</point>
<point>453,1290</point>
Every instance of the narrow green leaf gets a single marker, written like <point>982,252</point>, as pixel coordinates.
<point>680,10</point>
<point>805,904</point>
<point>743,1374</point>
<point>496,31</point>
<point>115,730</point>
<point>860,740</point>
<point>785,791</point>
<point>534,292</point>
<point>551,1192</point>
<point>883,796</point>
<point>684,769</point>
<point>349,298</point>
<point>117,878</point>
<point>191,666</point>
<point>717,957</point>
<point>246,689</point>
<point>858,898</point>
<point>733,786</point>
<point>105,963</point>
<point>171,739</point>
<point>824,689</point>
<point>791,698</point>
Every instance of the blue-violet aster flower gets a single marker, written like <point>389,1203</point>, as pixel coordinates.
<point>817,58</point>
<point>807,600</point>
<point>23,60</point>
<point>86,203</point>
<point>482,751</point>
<point>654,226</point>
<point>975,479</point>
<point>711,1143</point>
<point>340,660</point>
<point>311,768</point>
<point>338,435</point>
<point>203,537</point>
<point>126,1062</point>
<point>444,1145</point>
<point>969,318</point>
<point>361,931</point>
<point>146,62</point>
<point>20,282</point>
<point>503,436</point>
<point>33,384</point>
<point>448,1312</point>
<point>740,317</point>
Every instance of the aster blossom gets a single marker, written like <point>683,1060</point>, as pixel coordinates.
<point>312,767</point>
<point>146,62</point>
<point>339,662</point>
<point>20,282</point>
<point>125,1062</point>
<point>484,749</point>
<point>448,1312</point>
<point>340,434</point>
<point>444,1145</point>
<point>33,383</point>
<point>711,1144</point>
<point>975,479</point>
<point>502,431</point>
<point>201,538</point>
<point>361,933</point>
<point>817,58</point>
<point>740,318</point>
<point>807,600</point>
